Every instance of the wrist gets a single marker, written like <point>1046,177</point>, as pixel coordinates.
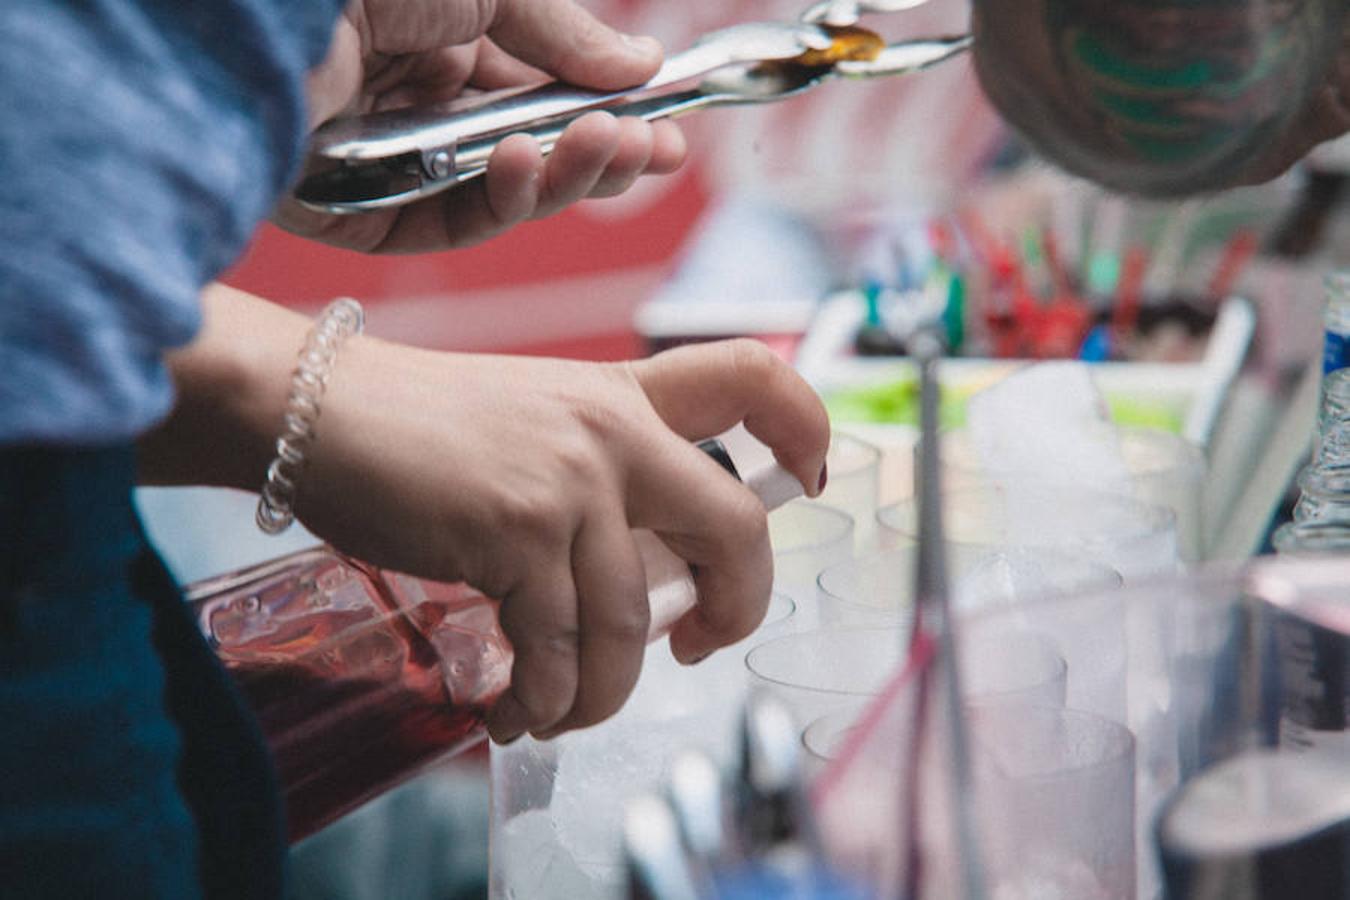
<point>342,319</point>
<point>232,385</point>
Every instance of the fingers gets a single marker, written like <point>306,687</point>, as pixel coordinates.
<point>703,390</point>
<point>577,162</point>
<point>613,616</point>
<point>565,40</point>
<point>598,156</point>
<point>540,620</point>
<point>669,148</point>
<point>633,153</point>
<point>505,196</point>
<point>657,148</point>
<point>578,651</point>
<point>714,523</point>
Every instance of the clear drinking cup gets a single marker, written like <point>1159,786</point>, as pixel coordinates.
<point>1199,668</point>
<point>1012,670</point>
<point>1054,793</point>
<point>557,806</point>
<point>1165,469</point>
<point>1136,539</point>
<point>854,484</point>
<point>878,589</point>
<point>825,738</point>
<point>807,537</point>
<point>1021,670</point>
<point>827,670</point>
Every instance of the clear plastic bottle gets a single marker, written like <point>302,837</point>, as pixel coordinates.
<point>1336,322</point>
<point>361,677</point>
<point>1321,524</point>
<point>1325,483</point>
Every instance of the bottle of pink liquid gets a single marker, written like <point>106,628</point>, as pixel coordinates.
<point>362,677</point>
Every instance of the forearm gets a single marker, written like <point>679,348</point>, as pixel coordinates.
<point>232,384</point>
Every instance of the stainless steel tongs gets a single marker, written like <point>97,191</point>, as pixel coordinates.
<point>389,159</point>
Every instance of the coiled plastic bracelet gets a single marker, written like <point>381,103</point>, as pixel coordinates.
<point>340,319</point>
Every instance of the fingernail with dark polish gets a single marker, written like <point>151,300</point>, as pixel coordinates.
<point>824,477</point>
<point>693,661</point>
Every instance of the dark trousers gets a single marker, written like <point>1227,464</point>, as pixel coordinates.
<point>129,765</point>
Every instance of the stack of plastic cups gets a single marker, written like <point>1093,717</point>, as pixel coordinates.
<point>827,675</point>
<point>1067,800</point>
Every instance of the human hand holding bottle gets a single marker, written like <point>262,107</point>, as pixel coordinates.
<point>523,477</point>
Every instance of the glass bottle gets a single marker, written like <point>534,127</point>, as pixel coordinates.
<point>362,677</point>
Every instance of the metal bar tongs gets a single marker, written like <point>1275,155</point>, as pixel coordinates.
<point>392,158</point>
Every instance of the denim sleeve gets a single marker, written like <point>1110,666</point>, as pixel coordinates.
<point>142,141</point>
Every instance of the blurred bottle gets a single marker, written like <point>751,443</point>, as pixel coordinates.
<point>1315,667</point>
<point>1323,505</point>
<point>1322,515</point>
<point>360,677</point>
<point>1336,348</point>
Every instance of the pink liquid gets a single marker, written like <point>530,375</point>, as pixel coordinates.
<point>359,678</point>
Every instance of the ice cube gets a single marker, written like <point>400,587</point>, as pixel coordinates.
<point>1050,421</point>
<point>598,771</point>
<point>533,866</point>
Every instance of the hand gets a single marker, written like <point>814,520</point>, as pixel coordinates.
<point>390,53</point>
<point>523,477</point>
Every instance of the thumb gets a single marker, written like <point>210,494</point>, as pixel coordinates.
<point>569,43</point>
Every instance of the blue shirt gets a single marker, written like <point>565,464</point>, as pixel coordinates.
<point>141,143</point>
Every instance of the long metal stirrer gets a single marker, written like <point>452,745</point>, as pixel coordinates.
<point>934,621</point>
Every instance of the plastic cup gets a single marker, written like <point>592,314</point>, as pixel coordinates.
<point>1136,539</point>
<point>854,484</point>
<point>807,537</point>
<point>1012,670</point>
<point>827,670</point>
<point>1022,670</point>
<point>1166,470</point>
<point>1054,795</point>
<point>825,738</point>
<point>878,589</point>
<point>557,806</point>
<point>1199,667</point>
